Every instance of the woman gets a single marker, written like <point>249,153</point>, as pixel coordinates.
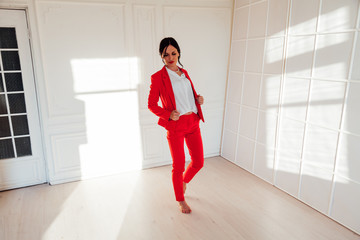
<point>180,115</point>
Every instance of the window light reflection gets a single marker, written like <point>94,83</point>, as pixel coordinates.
<point>108,88</point>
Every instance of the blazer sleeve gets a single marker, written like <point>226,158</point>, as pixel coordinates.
<point>153,99</point>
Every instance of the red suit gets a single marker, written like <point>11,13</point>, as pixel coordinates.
<point>186,128</point>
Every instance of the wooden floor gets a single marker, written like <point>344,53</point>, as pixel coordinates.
<point>227,203</point>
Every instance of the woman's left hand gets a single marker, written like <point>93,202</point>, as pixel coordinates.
<point>200,99</point>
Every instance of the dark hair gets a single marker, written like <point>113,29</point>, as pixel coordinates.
<point>164,45</point>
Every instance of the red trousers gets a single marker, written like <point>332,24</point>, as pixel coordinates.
<point>186,128</point>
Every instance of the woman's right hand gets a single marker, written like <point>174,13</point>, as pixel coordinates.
<point>175,115</point>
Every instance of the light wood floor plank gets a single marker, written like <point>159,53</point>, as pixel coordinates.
<point>227,203</point>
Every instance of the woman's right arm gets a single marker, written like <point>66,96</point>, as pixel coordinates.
<point>153,100</point>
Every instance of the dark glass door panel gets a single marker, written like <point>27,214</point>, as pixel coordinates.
<point>14,128</point>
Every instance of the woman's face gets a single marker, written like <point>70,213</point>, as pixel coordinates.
<point>170,56</point>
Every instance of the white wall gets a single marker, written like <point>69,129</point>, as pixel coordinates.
<point>93,60</point>
<point>292,108</point>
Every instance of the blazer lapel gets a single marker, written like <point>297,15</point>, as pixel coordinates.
<point>168,86</point>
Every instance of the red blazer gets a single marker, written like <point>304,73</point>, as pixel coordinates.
<point>161,87</point>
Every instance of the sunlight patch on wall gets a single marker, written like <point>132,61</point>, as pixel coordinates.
<point>108,88</point>
<point>274,50</point>
<point>96,75</point>
<point>337,19</point>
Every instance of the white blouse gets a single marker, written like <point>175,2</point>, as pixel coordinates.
<point>184,96</point>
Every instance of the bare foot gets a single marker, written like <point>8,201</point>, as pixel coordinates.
<point>184,186</point>
<point>184,207</point>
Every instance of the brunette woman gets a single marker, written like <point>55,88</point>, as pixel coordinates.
<point>180,114</point>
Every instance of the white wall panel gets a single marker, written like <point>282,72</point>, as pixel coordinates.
<point>235,87</point>
<point>264,162</point>
<point>273,59</point>
<point>251,90</point>
<point>211,132</point>
<point>355,74</point>
<point>66,156</point>
<point>241,18</point>
<point>153,137</point>
<point>300,53</point>
<point>320,147</point>
<point>266,130</point>
<point>145,51</point>
<point>326,103</point>
<point>270,93</point>
<point>338,15</point>
<point>97,46</point>
<point>348,157</point>
<point>152,142</point>
<point>229,145</point>
<point>254,55</point>
<point>257,20</point>
<point>351,111</point>
<point>241,3</point>
<point>287,173</point>
<point>238,56</point>
<point>277,18</point>
<point>315,187</point>
<point>245,153</point>
<point>303,18</point>
<point>307,119</point>
<point>345,207</point>
<point>295,97</point>
<point>333,54</point>
<point>84,63</point>
<point>232,120</point>
<point>248,120</point>
<point>291,134</point>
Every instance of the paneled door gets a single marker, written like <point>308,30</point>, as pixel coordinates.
<point>21,153</point>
